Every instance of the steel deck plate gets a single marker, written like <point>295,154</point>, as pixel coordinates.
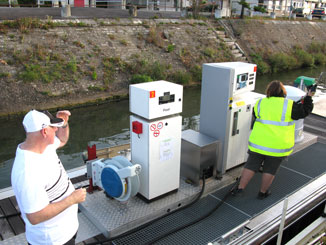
<point>200,233</point>
<point>116,217</point>
<point>310,161</point>
<point>286,182</point>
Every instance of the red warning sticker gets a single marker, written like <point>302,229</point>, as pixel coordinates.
<point>156,133</point>
<point>153,127</point>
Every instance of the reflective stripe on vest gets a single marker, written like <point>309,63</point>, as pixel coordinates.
<point>264,148</point>
<point>275,123</point>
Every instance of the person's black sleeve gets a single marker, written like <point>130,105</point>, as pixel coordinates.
<point>301,110</point>
<point>253,119</point>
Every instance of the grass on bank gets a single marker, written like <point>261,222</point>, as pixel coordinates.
<point>47,68</point>
<point>40,65</point>
<point>296,59</point>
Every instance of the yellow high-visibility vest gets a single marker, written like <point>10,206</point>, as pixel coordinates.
<point>273,132</point>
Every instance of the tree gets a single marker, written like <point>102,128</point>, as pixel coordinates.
<point>260,9</point>
<point>244,5</point>
<point>196,4</point>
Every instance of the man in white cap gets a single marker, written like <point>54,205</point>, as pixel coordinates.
<point>45,195</point>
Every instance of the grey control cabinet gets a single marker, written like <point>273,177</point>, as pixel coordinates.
<point>226,108</point>
<point>199,153</point>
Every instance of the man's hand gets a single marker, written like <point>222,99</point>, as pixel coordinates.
<point>78,196</point>
<point>64,115</point>
<point>63,132</point>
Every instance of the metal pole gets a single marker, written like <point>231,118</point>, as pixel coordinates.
<point>280,232</point>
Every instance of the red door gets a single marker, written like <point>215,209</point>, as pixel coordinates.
<point>79,3</point>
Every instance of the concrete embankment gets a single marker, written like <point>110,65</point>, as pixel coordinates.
<point>273,36</point>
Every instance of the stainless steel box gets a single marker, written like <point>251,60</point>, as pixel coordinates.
<point>199,153</point>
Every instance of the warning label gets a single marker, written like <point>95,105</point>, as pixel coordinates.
<point>156,128</point>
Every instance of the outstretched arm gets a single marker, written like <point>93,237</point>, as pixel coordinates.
<point>63,132</point>
<point>301,110</point>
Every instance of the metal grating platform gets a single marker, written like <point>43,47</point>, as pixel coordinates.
<point>116,217</point>
<point>310,161</point>
<point>200,233</point>
<point>235,211</point>
<point>285,183</point>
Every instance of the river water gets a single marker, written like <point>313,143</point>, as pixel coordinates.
<point>108,124</point>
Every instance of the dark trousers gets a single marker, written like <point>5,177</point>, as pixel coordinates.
<point>70,242</point>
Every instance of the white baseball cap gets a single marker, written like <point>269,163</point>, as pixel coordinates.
<point>37,120</point>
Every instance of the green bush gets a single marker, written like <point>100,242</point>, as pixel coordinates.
<point>170,48</point>
<point>304,59</point>
<point>282,62</point>
<point>72,66</point>
<point>180,77</point>
<point>31,73</point>
<point>260,9</point>
<point>262,66</point>
<point>137,78</point>
<point>320,59</point>
<point>315,47</point>
<point>196,73</point>
<point>209,52</point>
<point>95,88</point>
<point>94,75</point>
<point>4,74</point>
<point>157,71</point>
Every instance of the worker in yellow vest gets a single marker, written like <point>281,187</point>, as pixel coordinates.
<point>272,137</point>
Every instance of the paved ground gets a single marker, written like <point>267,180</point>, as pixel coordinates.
<point>81,13</point>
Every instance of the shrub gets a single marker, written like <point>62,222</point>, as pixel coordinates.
<point>157,71</point>
<point>94,75</point>
<point>304,59</point>
<point>137,78</point>
<point>260,9</point>
<point>281,62</point>
<point>315,47</point>
<point>209,52</point>
<point>78,44</point>
<point>155,37</point>
<point>180,77</point>
<point>262,66</point>
<point>196,73</point>
<point>72,66</point>
<point>320,59</point>
<point>31,73</point>
<point>123,42</point>
<point>95,88</point>
<point>4,74</point>
<point>170,48</point>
